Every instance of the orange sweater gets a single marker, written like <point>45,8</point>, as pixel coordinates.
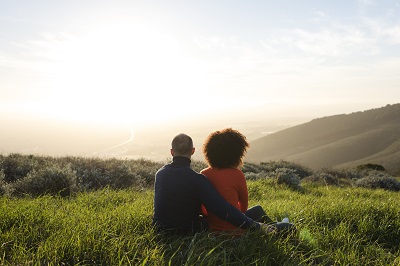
<point>231,184</point>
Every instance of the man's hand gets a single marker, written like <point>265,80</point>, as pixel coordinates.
<point>268,229</point>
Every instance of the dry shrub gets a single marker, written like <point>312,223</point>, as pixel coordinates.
<point>288,177</point>
<point>378,180</point>
<point>323,178</point>
<point>53,180</point>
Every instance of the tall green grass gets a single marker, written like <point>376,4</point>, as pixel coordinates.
<point>336,226</point>
<point>101,228</point>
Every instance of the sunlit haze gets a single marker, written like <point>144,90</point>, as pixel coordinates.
<point>138,66</point>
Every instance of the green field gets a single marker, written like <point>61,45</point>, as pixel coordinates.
<point>338,224</point>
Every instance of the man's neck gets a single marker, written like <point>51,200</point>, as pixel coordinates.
<point>181,161</point>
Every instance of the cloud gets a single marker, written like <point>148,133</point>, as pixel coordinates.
<point>332,39</point>
<point>210,43</point>
<point>284,63</point>
<point>12,19</point>
<point>35,54</point>
<point>366,2</point>
<point>334,60</point>
<point>388,34</point>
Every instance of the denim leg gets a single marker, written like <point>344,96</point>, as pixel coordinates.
<point>258,214</point>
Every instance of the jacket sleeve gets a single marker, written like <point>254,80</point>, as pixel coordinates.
<point>217,205</point>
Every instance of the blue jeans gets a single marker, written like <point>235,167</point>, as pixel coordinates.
<point>258,214</point>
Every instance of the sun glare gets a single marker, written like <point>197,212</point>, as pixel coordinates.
<point>122,72</point>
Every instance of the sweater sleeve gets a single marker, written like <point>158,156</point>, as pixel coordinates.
<point>217,205</point>
<point>243,193</point>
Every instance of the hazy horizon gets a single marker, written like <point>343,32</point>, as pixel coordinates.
<point>93,75</point>
<point>46,136</point>
<point>51,137</point>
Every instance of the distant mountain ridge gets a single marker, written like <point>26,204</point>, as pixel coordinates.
<point>339,141</point>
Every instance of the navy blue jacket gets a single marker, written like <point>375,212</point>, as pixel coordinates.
<point>178,194</point>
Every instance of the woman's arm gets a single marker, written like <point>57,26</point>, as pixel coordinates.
<point>242,192</point>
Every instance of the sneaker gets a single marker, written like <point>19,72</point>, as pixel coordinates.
<point>285,220</point>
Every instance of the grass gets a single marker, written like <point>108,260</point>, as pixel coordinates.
<point>336,226</point>
<point>101,228</point>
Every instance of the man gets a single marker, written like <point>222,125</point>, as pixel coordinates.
<point>179,192</point>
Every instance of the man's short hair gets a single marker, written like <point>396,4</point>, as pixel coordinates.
<point>182,145</point>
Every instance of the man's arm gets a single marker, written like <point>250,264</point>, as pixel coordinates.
<point>217,205</point>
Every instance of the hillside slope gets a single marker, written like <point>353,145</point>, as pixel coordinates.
<point>346,140</point>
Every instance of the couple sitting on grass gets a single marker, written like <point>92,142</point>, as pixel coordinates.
<point>216,199</point>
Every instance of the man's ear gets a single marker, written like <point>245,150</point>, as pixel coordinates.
<point>172,152</point>
<point>193,150</point>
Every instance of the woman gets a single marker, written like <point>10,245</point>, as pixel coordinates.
<point>224,152</point>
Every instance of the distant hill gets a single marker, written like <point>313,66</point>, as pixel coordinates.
<point>338,141</point>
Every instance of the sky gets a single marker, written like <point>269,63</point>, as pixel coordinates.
<point>147,62</point>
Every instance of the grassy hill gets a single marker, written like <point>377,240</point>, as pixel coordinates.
<point>346,140</point>
<point>336,226</point>
<point>92,211</point>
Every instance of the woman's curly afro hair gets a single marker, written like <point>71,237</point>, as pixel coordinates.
<point>225,148</point>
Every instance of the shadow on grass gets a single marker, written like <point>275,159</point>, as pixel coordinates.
<point>209,249</point>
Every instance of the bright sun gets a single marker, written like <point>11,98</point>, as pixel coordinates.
<point>123,72</point>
